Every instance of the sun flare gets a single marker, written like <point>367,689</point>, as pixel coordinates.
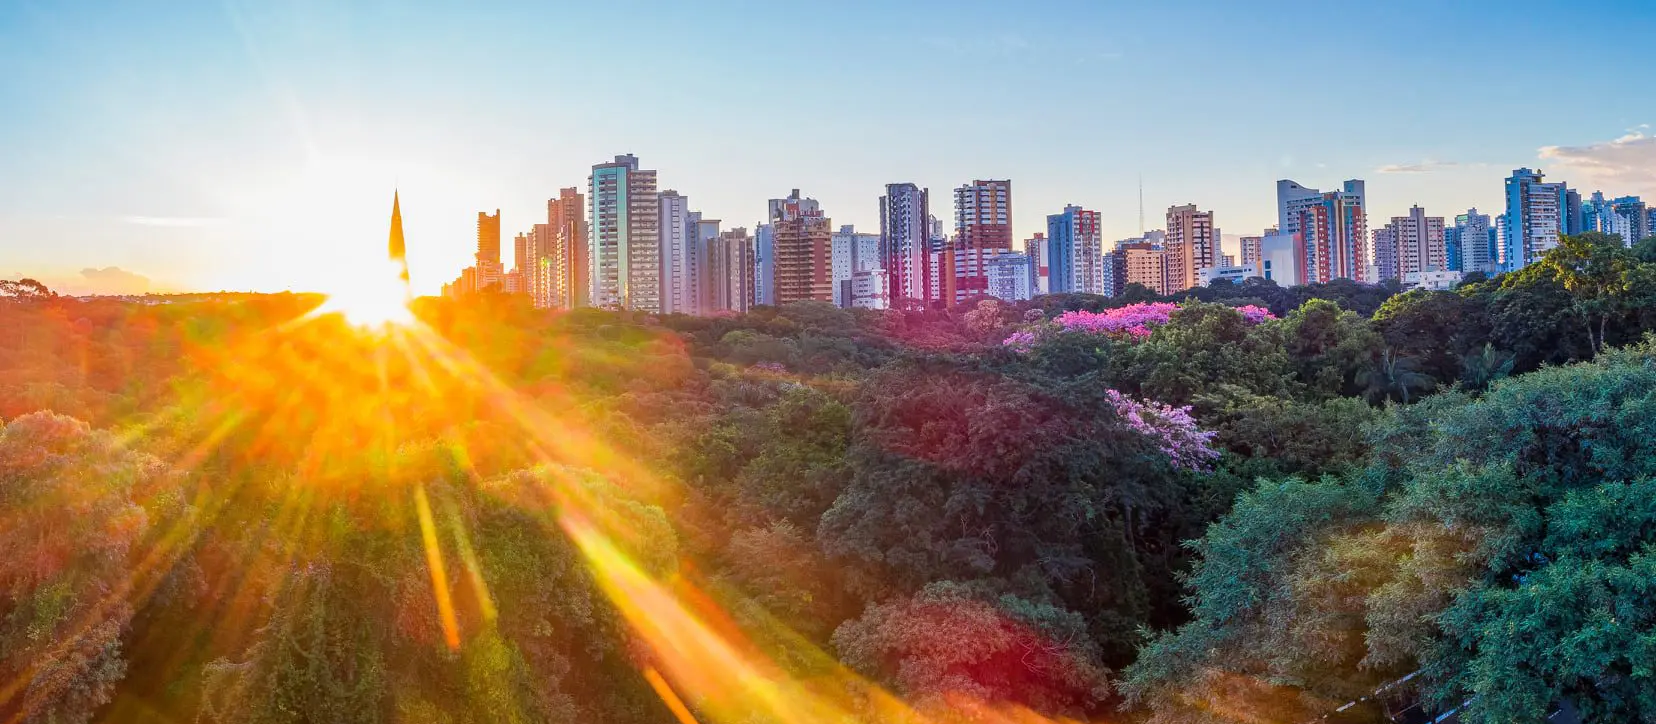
<point>372,301</point>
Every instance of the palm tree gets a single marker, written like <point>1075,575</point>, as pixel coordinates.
<point>1394,377</point>
<point>1481,369</point>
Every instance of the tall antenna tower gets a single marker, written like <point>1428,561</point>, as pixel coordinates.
<point>1141,204</point>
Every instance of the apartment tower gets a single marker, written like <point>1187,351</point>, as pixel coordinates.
<point>624,257</point>
<point>1191,245</point>
<point>905,244</point>
<point>803,244</point>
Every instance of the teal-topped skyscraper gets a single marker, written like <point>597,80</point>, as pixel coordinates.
<point>624,258</point>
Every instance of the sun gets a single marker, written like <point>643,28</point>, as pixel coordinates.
<point>371,301</point>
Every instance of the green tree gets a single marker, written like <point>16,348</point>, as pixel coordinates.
<point>1497,544</point>
<point>1594,269</point>
<point>1329,348</point>
<point>26,290</point>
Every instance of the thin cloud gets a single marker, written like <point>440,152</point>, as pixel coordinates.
<point>114,280</point>
<point>1625,165</point>
<point>1421,167</point>
<point>185,222</point>
<point>1008,44</point>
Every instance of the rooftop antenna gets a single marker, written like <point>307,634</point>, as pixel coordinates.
<point>1141,204</point>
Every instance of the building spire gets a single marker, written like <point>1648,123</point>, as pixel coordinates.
<point>398,249</point>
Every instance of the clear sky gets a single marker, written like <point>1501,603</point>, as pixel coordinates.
<point>251,144</point>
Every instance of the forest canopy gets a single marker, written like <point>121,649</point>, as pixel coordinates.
<point>1247,503</point>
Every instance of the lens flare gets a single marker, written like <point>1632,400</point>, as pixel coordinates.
<point>374,300</point>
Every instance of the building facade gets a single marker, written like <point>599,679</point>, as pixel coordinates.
<point>1279,259</point>
<point>1630,219</point>
<point>558,253</point>
<point>1009,275</point>
<point>1331,232</point>
<point>852,252</point>
<point>1233,273</point>
<point>1191,245</point>
<point>905,244</point>
<point>1036,247</point>
<point>1384,242</point>
<point>731,271</point>
<point>683,256</point>
<point>801,240</point>
<point>489,272</point>
<point>983,227</point>
<point>1474,243</point>
<point>1410,244</point>
<point>1533,220</point>
<point>1437,281</point>
<point>1331,229</point>
<point>1250,247</point>
<point>1593,214</point>
<point>1145,265</point>
<point>870,290</point>
<point>624,256</point>
<point>1075,246</point>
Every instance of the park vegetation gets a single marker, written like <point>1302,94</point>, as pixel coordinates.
<point>1244,504</point>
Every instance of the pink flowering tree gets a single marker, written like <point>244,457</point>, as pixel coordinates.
<point>1172,428</point>
<point>1255,314</point>
<point>1132,322</point>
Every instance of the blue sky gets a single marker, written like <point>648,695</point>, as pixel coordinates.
<point>254,145</point>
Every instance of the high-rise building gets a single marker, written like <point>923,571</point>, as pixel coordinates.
<point>905,243</point>
<point>1291,197</point>
<point>1574,221</point>
<point>983,226</point>
<point>707,233</point>
<point>764,264</point>
<point>1009,275</point>
<point>624,257</point>
<point>1500,242</point>
<point>680,257</point>
<point>1250,247</point>
<point>1594,214</point>
<point>517,280</point>
<point>1630,219</point>
<point>489,273</point>
<point>852,252</point>
<point>1036,248</point>
<point>562,270</point>
<point>520,253</point>
<point>1191,245</point>
<point>488,238</point>
<point>1331,230</point>
<point>1116,274</point>
<point>869,290</point>
<point>802,238</point>
<point>1144,264</point>
<point>1385,252</point>
<point>730,269</point>
<point>1533,220</point>
<point>983,215</point>
<point>1409,245</point>
<point>1076,251</point>
<point>538,277</point>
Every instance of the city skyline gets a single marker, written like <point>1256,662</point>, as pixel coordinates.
<point>227,147</point>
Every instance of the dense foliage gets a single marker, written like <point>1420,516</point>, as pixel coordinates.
<point>1245,504</point>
